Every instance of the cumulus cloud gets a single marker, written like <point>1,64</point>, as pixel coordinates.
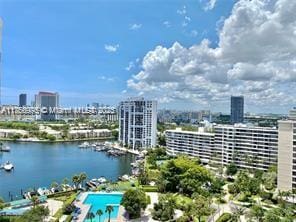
<point>255,56</point>
<point>112,48</point>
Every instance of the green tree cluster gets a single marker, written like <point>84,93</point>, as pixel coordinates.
<point>164,210</point>
<point>134,200</point>
<point>184,175</point>
<point>36,214</point>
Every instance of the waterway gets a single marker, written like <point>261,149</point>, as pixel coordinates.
<point>39,164</point>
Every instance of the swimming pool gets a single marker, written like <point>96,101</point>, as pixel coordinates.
<point>101,201</point>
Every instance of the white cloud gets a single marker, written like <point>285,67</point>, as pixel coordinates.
<point>135,26</point>
<point>255,56</point>
<point>187,18</point>
<point>182,11</point>
<point>112,48</point>
<point>208,4</point>
<point>105,78</point>
<point>193,33</point>
<point>130,66</point>
<point>167,24</point>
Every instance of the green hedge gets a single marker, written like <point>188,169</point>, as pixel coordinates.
<point>59,194</point>
<point>148,188</point>
<point>224,217</point>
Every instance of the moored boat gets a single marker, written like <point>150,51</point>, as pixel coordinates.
<point>4,148</point>
<point>8,166</point>
<point>84,145</point>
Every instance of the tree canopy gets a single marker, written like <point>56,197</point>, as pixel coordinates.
<point>134,200</point>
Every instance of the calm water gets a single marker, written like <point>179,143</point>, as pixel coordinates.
<point>38,164</point>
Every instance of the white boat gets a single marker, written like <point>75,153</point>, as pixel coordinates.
<point>84,145</point>
<point>4,148</point>
<point>102,180</point>
<point>8,166</point>
<point>43,191</point>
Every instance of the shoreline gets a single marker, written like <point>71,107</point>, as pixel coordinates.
<point>56,141</point>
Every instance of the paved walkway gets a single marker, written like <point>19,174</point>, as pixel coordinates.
<point>84,210</point>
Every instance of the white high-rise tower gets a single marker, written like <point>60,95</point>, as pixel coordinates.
<point>138,123</point>
<point>1,25</point>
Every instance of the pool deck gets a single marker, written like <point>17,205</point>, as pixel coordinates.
<point>84,210</point>
<point>86,207</point>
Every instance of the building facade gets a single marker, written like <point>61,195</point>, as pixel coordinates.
<point>47,101</point>
<point>1,26</point>
<point>22,100</point>
<point>138,123</point>
<point>286,179</point>
<point>198,144</point>
<point>237,109</point>
<point>247,147</point>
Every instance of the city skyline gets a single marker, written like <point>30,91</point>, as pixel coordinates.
<point>192,67</point>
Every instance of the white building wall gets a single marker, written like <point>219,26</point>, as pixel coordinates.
<point>248,147</point>
<point>286,150</point>
<point>138,123</point>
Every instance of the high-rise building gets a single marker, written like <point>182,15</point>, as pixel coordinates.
<point>47,101</point>
<point>286,179</point>
<point>1,26</point>
<point>22,100</point>
<point>137,123</point>
<point>237,109</point>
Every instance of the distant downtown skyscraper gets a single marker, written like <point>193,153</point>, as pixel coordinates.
<point>47,100</point>
<point>237,109</point>
<point>137,123</point>
<point>22,100</point>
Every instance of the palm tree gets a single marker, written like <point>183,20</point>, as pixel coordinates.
<point>54,185</point>
<point>82,178</point>
<point>257,212</point>
<point>109,210</point>
<point>99,213</point>
<point>1,203</point>
<point>65,181</point>
<point>35,201</point>
<point>75,180</point>
<point>237,212</point>
<point>90,215</point>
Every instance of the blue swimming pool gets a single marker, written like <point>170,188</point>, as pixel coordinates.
<point>101,201</point>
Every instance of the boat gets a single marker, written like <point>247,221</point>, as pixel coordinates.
<point>98,149</point>
<point>124,178</point>
<point>84,145</point>
<point>8,166</point>
<point>43,191</point>
<point>4,148</point>
<point>102,180</point>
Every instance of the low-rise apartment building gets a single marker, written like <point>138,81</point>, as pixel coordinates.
<point>246,146</point>
<point>89,133</point>
<point>198,144</point>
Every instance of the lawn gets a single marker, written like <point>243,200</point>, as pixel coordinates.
<point>66,199</point>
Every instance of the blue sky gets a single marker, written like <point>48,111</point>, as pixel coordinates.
<point>63,45</point>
